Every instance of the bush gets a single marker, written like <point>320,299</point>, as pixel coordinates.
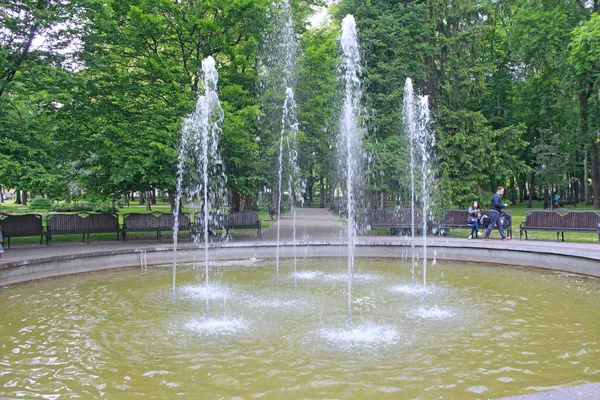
<point>40,204</point>
<point>82,206</point>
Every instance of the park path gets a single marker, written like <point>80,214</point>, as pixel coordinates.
<point>312,224</point>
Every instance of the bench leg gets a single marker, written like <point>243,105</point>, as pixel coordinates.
<point>563,236</point>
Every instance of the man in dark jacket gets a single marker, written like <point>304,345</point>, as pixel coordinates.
<point>495,211</point>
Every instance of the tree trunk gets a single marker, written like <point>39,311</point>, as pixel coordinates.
<point>530,204</point>
<point>321,192</point>
<point>153,196</point>
<point>586,177</point>
<point>172,201</point>
<point>1,194</point>
<point>383,200</point>
<point>142,200</point>
<point>24,197</point>
<point>513,191</point>
<point>331,193</point>
<point>148,201</point>
<point>242,201</point>
<point>596,175</point>
<point>18,197</point>
<point>523,184</point>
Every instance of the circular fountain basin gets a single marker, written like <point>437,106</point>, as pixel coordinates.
<point>484,332</point>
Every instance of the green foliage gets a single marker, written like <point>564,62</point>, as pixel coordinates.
<point>509,84</point>
<point>83,206</point>
<point>40,204</point>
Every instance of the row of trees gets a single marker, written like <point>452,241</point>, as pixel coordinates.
<point>93,94</point>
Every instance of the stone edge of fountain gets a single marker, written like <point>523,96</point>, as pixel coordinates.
<point>549,256</point>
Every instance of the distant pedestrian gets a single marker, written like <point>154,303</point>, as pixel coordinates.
<point>556,203</point>
<point>473,220</point>
<point>495,210</point>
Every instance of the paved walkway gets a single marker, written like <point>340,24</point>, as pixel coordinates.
<point>312,225</point>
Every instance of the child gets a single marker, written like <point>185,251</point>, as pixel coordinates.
<point>474,216</point>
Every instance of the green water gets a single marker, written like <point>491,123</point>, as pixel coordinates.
<point>486,332</point>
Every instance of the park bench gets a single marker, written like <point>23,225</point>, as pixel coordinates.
<point>21,225</point>
<point>215,223</point>
<point>457,219</point>
<point>397,221</point>
<point>82,223</point>
<point>242,220</point>
<point>567,202</point>
<point>561,203</point>
<point>154,222</point>
<point>560,221</point>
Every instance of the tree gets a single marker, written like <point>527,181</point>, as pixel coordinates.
<point>584,58</point>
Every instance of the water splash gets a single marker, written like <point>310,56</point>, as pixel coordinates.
<point>201,174</point>
<point>416,121</point>
<point>279,72</point>
<point>218,327</point>
<point>409,117</point>
<point>350,137</point>
<point>431,313</point>
<point>367,334</point>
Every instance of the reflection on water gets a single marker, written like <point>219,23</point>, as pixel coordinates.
<point>486,332</point>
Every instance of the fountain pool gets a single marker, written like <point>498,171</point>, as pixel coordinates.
<point>486,332</point>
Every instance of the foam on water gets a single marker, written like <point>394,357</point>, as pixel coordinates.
<point>200,292</point>
<point>361,335</point>
<point>308,275</point>
<point>217,326</point>
<point>256,302</point>
<point>431,313</point>
<point>334,277</point>
<point>413,289</point>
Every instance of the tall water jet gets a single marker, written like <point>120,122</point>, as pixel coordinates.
<point>201,173</point>
<point>409,120</point>
<point>416,121</point>
<point>426,143</point>
<point>350,137</point>
<point>279,74</point>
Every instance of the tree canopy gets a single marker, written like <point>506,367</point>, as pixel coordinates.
<point>93,94</point>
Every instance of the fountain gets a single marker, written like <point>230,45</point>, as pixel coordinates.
<point>416,120</point>
<point>279,69</point>
<point>201,176</point>
<point>350,137</point>
<point>503,331</point>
